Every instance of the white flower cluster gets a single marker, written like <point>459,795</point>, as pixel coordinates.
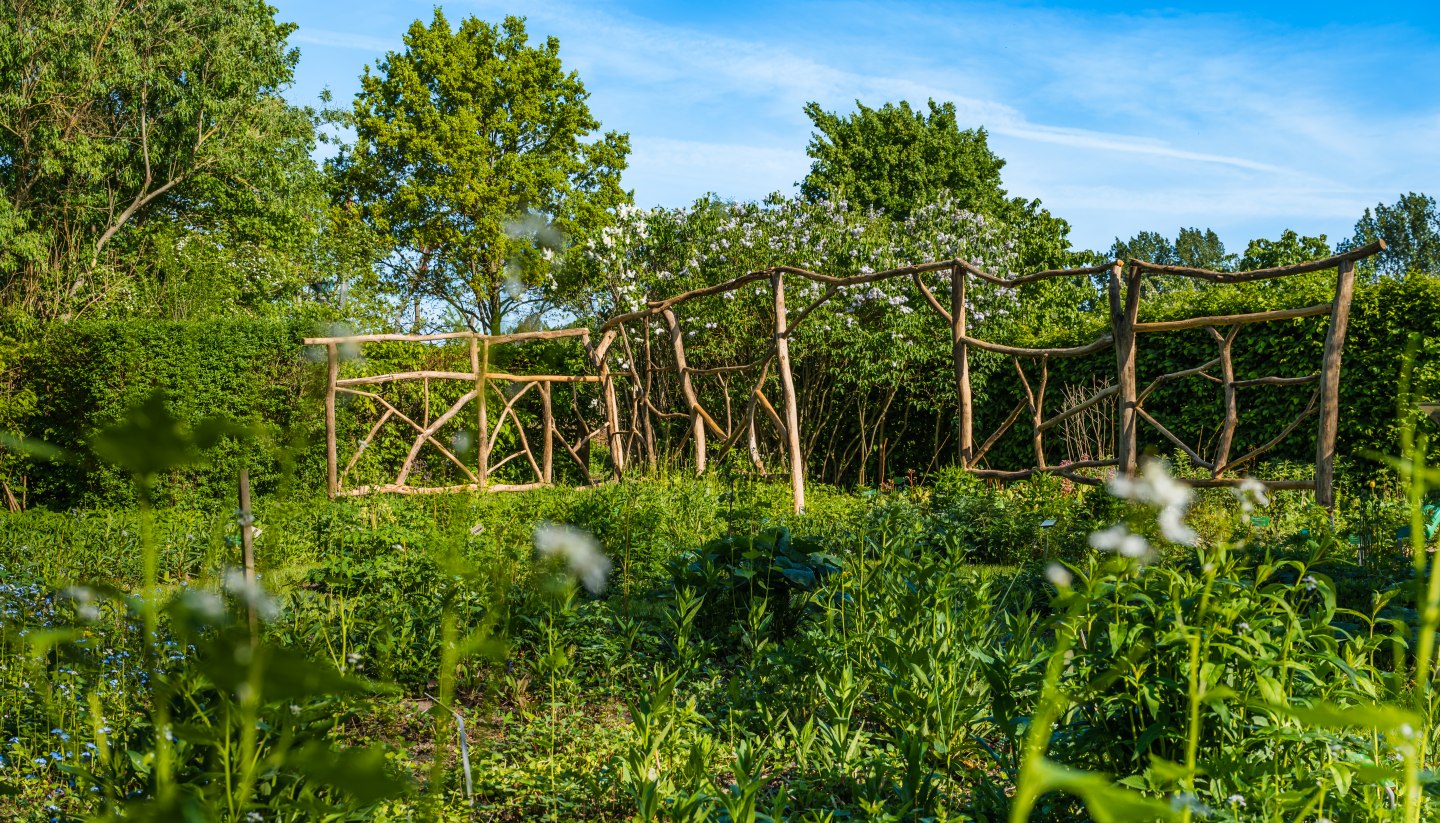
<point>1153,486</point>
<point>578,549</point>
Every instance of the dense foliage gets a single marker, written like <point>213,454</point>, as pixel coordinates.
<point>149,165</point>
<point>862,660</point>
<point>916,645</point>
<point>470,159</point>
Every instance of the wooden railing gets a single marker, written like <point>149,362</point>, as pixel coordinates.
<point>641,374</point>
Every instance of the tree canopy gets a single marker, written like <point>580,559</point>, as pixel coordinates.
<point>894,158</point>
<point>128,119</point>
<point>1411,228</point>
<point>471,159</point>
<point>1290,249</point>
<point>1196,248</point>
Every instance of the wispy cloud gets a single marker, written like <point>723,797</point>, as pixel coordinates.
<point>344,40</point>
<point>1119,122</point>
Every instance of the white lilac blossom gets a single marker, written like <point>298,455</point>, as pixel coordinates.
<point>578,549</point>
<point>1155,487</point>
<point>84,599</point>
<point>206,605</point>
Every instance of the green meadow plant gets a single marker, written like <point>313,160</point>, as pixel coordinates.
<point>689,650</point>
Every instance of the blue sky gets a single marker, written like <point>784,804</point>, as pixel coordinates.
<point>1245,117</point>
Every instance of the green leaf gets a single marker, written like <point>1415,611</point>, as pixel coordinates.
<point>1106,802</point>
<point>360,773</point>
<point>1376,716</point>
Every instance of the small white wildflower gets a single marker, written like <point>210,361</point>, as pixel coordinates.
<point>206,605</point>
<point>85,605</point>
<point>580,551</point>
<point>1059,576</point>
<point>1120,540</point>
<point>462,441</point>
<point>1242,627</point>
<point>1251,493</point>
<point>1309,582</point>
<point>251,593</point>
<point>1186,800</point>
<point>1236,800</point>
<point>353,658</point>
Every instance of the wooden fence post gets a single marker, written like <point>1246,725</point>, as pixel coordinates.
<point>697,424</point>
<point>332,460</point>
<point>644,405</point>
<point>1123,314</point>
<point>481,361</point>
<point>1232,410</point>
<point>612,419</point>
<point>1330,386</point>
<point>960,351</point>
<point>547,420</point>
<point>247,548</point>
<point>787,385</point>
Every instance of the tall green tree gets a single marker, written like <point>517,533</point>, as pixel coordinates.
<point>1151,246</point>
<point>1202,250</point>
<point>1410,227</point>
<point>117,115</point>
<point>1289,249</point>
<point>471,158</point>
<point>896,158</point>
<point>1192,247</point>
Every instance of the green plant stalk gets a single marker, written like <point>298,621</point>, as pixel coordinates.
<point>1196,689</point>
<point>449,659</point>
<point>1049,708</point>
<point>160,707</point>
<point>249,728</point>
<point>1415,472</point>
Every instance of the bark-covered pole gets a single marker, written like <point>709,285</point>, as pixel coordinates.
<point>787,385</point>
<point>1330,386</point>
<point>1123,313</point>
<point>961,354</point>
<point>332,459</point>
<point>687,387</point>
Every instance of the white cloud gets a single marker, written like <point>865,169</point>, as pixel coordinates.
<point>344,40</point>
<point>1117,122</point>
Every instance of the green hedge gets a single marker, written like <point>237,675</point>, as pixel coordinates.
<point>86,375</point>
<point>1383,317</point>
<point>82,377</point>
<point>77,378</point>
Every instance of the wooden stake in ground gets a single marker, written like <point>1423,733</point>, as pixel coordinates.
<point>697,423</point>
<point>787,385</point>
<point>247,547</point>
<point>1123,312</point>
<point>332,459</point>
<point>1330,385</point>
<point>960,351</point>
<point>481,361</point>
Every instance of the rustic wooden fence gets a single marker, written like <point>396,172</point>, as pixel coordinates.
<point>642,380</point>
